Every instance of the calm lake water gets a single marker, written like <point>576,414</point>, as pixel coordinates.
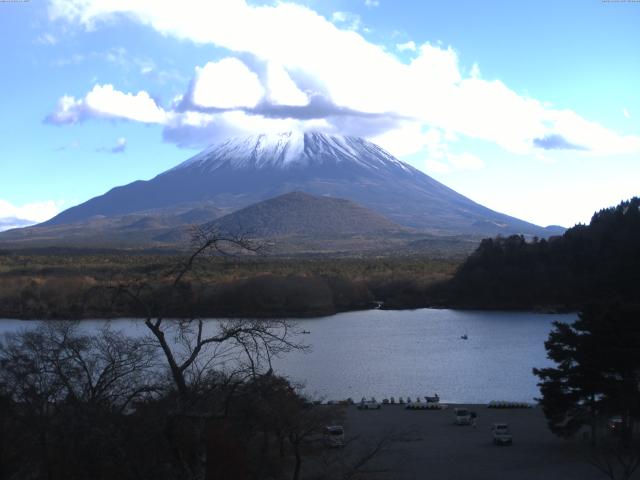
<point>385,353</point>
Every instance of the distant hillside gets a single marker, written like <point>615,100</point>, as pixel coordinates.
<point>299,213</point>
<point>595,262</point>
<point>121,231</point>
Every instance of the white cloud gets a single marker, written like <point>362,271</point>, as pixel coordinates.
<point>226,84</point>
<point>407,138</point>
<point>35,212</point>
<point>436,166</point>
<point>194,129</point>
<point>349,73</point>
<point>372,3</point>
<point>475,71</point>
<point>465,161</point>
<point>107,102</point>
<point>282,89</point>
<point>626,113</point>
<point>410,45</point>
<point>69,110</point>
<point>113,103</point>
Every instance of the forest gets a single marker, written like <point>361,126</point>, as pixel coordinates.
<point>73,284</point>
<point>588,264</point>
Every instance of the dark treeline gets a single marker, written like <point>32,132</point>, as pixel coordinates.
<point>261,296</point>
<point>591,263</point>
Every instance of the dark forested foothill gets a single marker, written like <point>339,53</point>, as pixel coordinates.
<point>589,263</point>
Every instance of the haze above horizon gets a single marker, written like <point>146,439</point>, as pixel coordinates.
<point>530,109</point>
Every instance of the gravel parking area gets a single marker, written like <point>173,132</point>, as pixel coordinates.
<point>429,445</point>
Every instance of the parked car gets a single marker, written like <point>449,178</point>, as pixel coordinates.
<point>463,416</point>
<point>501,434</point>
<point>334,436</point>
<point>369,404</point>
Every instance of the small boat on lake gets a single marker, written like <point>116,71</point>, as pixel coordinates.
<point>306,332</point>
<point>464,337</point>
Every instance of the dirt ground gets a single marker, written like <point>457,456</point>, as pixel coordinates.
<point>428,445</point>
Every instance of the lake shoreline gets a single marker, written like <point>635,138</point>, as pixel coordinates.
<point>543,308</point>
<point>550,310</point>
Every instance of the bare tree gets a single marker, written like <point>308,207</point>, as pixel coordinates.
<point>189,344</point>
<point>197,351</point>
<point>56,362</point>
<point>63,385</point>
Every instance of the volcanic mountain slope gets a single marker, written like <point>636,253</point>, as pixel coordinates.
<point>243,171</point>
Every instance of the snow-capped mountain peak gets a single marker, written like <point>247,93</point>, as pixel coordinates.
<point>292,149</point>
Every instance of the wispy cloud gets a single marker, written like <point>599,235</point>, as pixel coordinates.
<point>46,39</point>
<point>351,21</point>
<point>119,147</point>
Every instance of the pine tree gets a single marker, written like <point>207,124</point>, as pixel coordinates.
<point>597,373</point>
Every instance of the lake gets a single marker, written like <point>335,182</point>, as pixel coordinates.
<point>386,353</point>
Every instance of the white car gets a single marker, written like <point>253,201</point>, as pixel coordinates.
<point>501,434</point>
<point>463,416</point>
<point>369,405</point>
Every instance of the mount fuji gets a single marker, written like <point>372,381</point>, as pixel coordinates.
<point>226,178</point>
<point>243,171</point>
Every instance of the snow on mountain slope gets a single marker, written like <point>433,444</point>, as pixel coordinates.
<point>292,149</point>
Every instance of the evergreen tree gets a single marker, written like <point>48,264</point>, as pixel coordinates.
<point>597,373</point>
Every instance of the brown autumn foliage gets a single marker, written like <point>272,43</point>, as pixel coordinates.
<point>80,285</point>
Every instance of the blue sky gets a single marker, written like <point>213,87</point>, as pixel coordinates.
<point>530,108</point>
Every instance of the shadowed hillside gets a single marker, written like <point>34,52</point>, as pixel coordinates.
<point>299,213</point>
